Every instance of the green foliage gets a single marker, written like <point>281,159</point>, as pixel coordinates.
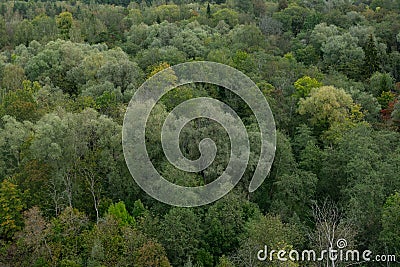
<point>225,222</point>
<point>119,212</point>
<point>296,18</point>
<point>224,262</point>
<point>13,76</point>
<point>138,209</point>
<point>380,82</point>
<point>21,103</point>
<point>180,235</point>
<point>11,205</point>
<point>230,16</point>
<point>65,232</point>
<point>342,53</point>
<point>69,68</point>
<point>396,113</point>
<point>64,23</point>
<point>385,98</point>
<point>294,193</point>
<point>371,61</point>
<point>267,231</point>
<point>247,37</point>
<point>364,178</point>
<point>390,217</point>
<point>152,254</point>
<point>304,86</point>
<point>327,105</point>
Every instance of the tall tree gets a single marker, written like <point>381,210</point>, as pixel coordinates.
<point>180,235</point>
<point>64,23</point>
<point>11,205</point>
<point>371,60</point>
<point>390,221</point>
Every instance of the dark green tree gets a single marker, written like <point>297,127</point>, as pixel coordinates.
<point>390,222</point>
<point>371,59</point>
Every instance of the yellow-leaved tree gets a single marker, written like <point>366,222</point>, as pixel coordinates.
<point>330,110</point>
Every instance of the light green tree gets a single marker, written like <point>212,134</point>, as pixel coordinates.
<point>119,212</point>
<point>13,76</point>
<point>64,23</point>
<point>263,231</point>
<point>304,85</point>
<point>342,53</point>
<point>380,82</point>
<point>11,205</point>
<point>327,105</point>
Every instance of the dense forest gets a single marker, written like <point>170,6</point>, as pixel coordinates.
<point>330,70</point>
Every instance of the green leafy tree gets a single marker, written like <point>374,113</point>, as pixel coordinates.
<point>4,37</point>
<point>45,28</point>
<point>304,86</point>
<point>64,237</point>
<point>225,262</point>
<point>396,113</point>
<point>93,29</point>
<point>191,40</point>
<point>245,6</point>
<point>390,217</point>
<point>13,76</point>
<point>371,61</point>
<point>119,212</point>
<point>168,12</point>
<point>152,254</point>
<point>225,222</point>
<point>385,98</point>
<point>327,105</point>
<point>264,231</point>
<point>296,18</point>
<point>321,33</point>
<point>294,194</point>
<point>105,242</point>
<point>11,205</point>
<point>21,103</point>
<point>247,37</point>
<point>14,139</point>
<point>24,32</point>
<point>380,82</point>
<point>64,23</point>
<point>180,235</point>
<point>358,166</point>
<point>370,105</point>
<point>342,53</point>
<point>228,15</point>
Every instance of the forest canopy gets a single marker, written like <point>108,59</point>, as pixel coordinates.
<point>330,71</point>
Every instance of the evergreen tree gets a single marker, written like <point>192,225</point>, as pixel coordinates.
<point>371,61</point>
<point>208,11</point>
